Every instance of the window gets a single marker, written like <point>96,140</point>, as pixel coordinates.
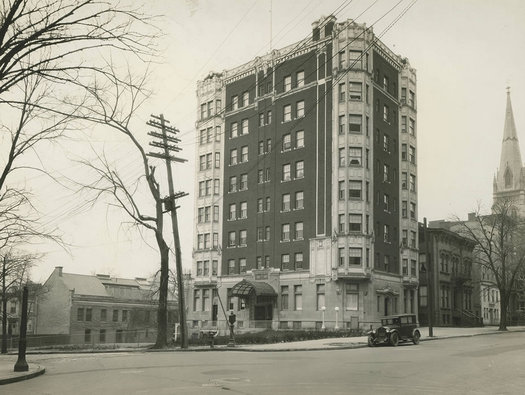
<point>286,202</point>
<point>216,186</point>
<point>286,172</point>
<point>102,336</point>
<point>269,145</point>
<point>258,262</point>
<point>287,83</point>
<point>355,59</point>
<point>404,238</point>
<point>412,239</point>
<point>413,265</point>
<point>341,190</point>
<point>299,169</point>
<point>403,95</point>
<point>233,184</point>
<point>355,91</point>
<point>342,222</point>
<point>298,297</point>
<point>267,233</point>
<point>215,213</point>
<point>404,180</point>
<point>266,261</point>
<point>103,315</point>
<point>386,233</point>
<point>200,242</point>
<point>210,108</point>
<point>354,123</point>
<point>244,210</point>
<point>299,108</point>
<point>231,266</point>
<point>342,157</point>
<point>269,117</point>
<point>298,260</point>
<point>299,200</point>
<point>405,267</point>
<point>355,222</point>
<point>242,238</point>
<point>260,205</point>
<point>385,83</point>
<point>202,162</point>
<point>404,209</point>
<point>242,265</point>
<point>411,99</point>
<point>287,113</point>
<point>87,335</point>
<point>320,291</point>
<point>412,183</point>
<point>341,256</point>
<point>299,139</point>
<point>196,299</point>
<point>199,268</point>
<point>235,102</point>
<point>386,173</point>
<point>300,79</point>
<point>412,155</point>
<point>354,190</point>
<point>287,142</point>
<point>244,127</point>
<point>218,133</point>
<point>386,263</point>
<point>386,113</point>
<point>243,182</point>
<point>355,156</point>
<point>342,59</point>
<point>403,124</point>
<point>231,239</point>
<point>80,314</point>
<point>386,202</point>
<point>203,110</point>
<point>214,266</point>
<point>234,132</point>
<point>115,315</point>
<point>412,211</point>
<point>260,233</point>
<point>386,143</point>
<point>261,119</point>
<point>202,138</point>
<point>342,92</point>
<point>285,232</point>
<point>245,99</point>
<point>285,261</point>
<point>342,124</point>
<point>299,234</point>
<point>124,315</point>
<point>352,296</point>
<point>412,127</point>
<point>268,203</point>
<point>284,297</point>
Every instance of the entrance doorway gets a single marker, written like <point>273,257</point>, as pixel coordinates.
<point>263,315</point>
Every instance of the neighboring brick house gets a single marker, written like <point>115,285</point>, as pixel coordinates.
<point>98,308</point>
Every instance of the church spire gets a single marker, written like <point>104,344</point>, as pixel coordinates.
<point>509,172</point>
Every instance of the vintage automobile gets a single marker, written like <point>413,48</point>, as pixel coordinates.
<point>396,328</point>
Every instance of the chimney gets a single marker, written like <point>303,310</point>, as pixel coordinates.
<point>59,270</point>
<point>316,32</point>
<point>471,216</point>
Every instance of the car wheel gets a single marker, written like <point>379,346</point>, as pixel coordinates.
<point>416,337</point>
<point>371,341</point>
<point>394,339</point>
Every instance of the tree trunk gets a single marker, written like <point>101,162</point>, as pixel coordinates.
<point>162,313</point>
<point>4,309</point>
<point>504,302</point>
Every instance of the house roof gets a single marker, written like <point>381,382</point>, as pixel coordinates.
<point>84,284</point>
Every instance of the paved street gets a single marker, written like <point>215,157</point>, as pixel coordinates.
<point>491,364</point>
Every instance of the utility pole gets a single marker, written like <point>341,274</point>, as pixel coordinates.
<point>167,136</point>
<point>4,307</point>
<point>430,279</point>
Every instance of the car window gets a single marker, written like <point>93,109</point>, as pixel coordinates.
<point>404,320</point>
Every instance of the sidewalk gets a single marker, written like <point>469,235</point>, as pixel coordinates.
<point>7,362</point>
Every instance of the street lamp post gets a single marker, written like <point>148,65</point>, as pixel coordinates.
<point>336,317</point>
<point>323,310</point>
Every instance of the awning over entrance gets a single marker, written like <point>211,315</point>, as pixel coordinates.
<point>245,288</point>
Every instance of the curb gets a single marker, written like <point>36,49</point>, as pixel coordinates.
<point>39,371</point>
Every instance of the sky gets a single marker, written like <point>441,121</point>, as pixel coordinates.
<point>466,53</point>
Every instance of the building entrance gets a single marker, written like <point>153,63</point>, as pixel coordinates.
<point>263,315</point>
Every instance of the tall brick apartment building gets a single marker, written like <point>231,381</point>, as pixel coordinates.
<point>306,186</point>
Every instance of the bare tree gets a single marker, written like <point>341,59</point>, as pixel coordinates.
<point>14,273</point>
<point>500,248</point>
<point>112,105</point>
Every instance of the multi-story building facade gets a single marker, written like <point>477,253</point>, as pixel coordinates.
<point>97,309</point>
<point>307,185</point>
<point>447,279</point>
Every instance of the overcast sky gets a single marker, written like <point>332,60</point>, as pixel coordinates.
<point>466,53</point>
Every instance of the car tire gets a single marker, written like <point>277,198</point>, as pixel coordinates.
<point>416,337</point>
<point>394,339</point>
<point>371,341</point>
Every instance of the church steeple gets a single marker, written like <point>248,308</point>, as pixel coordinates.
<point>509,172</point>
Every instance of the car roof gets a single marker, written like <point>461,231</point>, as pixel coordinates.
<point>397,316</point>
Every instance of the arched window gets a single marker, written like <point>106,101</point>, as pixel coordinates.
<point>508,178</point>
